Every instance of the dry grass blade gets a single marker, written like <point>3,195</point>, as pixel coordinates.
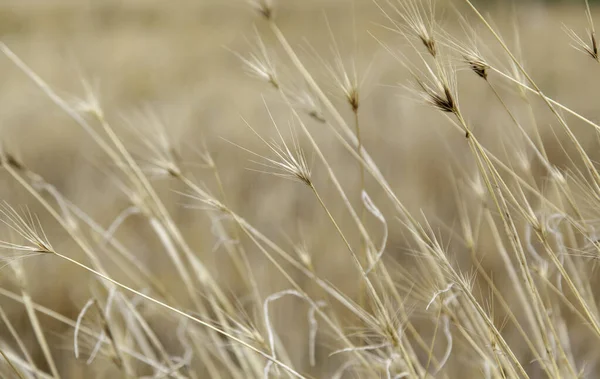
<point>393,276</point>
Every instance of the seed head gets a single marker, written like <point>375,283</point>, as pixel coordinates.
<point>590,48</point>
<point>303,99</point>
<point>438,87</point>
<point>442,100</point>
<point>264,8</point>
<point>429,44</point>
<point>418,17</point>
<point>288,161</point>
<point>347,81</point>
<point>468,48</point>
<point>259,63</point>
<point>344,75</point>
<point>28,228</point>
<point>90,103</point>
<point>10,160</point>
<point>477,65</point>
<point>154,145</point>
<point>302,252</point>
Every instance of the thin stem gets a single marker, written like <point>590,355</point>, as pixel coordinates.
<point>12,367</point>
<point>365,250</point>
<point>18,339</point>
<point>39,333</point>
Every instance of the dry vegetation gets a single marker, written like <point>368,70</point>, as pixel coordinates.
<point>311,189</point>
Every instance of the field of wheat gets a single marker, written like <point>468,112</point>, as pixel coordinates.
<point>308,189</point>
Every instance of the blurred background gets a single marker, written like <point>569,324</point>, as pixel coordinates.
<point>173,65</point>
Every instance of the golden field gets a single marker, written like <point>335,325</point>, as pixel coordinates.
<point>487,266</point>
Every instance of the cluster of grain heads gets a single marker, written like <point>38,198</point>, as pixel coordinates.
<point>416,315</point>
